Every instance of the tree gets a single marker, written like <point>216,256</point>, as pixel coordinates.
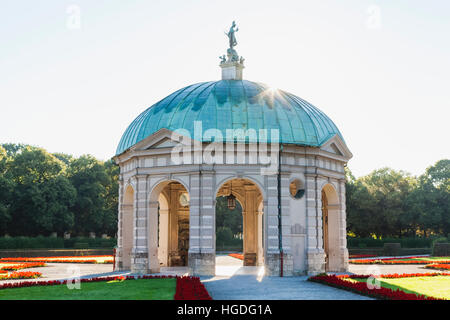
<point>59,195</point>
<point>376,203</point>
<point>34,165</point>
<point>361,208</point>
<point>434,193</point>
<point>111,198</point>
<point>90,179</point>
<point>42,195</point>
<point>6,187</point>
<point>225,217</point>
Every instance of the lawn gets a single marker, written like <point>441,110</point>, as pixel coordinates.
<point>437,287</point>
<point>141,289</point>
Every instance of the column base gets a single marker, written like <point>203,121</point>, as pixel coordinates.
<point>202,264</point>
<point>315,262</point>
<point>273,262</point>
<point>118,260</point>
<point>249,259</point>
<point>344,260</point>
<point>140,263</point>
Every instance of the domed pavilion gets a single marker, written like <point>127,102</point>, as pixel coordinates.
<point>281,158</point>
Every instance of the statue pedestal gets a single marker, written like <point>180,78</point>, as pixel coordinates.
<point>232,70</point>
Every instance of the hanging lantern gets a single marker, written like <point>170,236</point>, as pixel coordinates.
<point>231,202</point>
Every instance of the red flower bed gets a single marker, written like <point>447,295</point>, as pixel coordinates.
<point>60,259</point>
<point>187,288</point>
<point>23,266</point>
<point>395,261</point>
<point>394,275</point>
<point>21,275</point>
<point>190,288</point>
<point>237,255</point>
<point>382,293</point>
<point>438,266</point>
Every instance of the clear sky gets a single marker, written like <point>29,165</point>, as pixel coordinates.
<point>74,74</point>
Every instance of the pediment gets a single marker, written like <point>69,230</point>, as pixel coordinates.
<point>163,138</point>
<point>333,149</point>
<point>337,146</point>
<point>165,143</point>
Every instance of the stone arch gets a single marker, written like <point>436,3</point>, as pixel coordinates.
<point>165,215</point>
<point>159,185</point>
<point>220,183</point>
<point>331,227</point>
<point>251,197</point>
<point>127,228</point>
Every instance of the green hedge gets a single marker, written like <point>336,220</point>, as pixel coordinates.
<point>42,242</point>
<point>379,243</point>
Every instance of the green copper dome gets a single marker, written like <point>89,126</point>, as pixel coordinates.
<point>233,104</point>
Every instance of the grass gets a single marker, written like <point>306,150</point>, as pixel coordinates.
<point>141,289</point>
<point>438,286</point>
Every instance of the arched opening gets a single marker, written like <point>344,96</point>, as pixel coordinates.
<point>169,225</point>
<point>249,201</point>
<point>330,227</point>
<point>127,227</point>
<point>229,226</point>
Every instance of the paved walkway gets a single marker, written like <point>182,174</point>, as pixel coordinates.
<point>235,282</point>
<point>248,287</point>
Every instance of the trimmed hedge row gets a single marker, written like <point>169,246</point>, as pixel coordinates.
<point>379,243</point>
<point>42,242</point>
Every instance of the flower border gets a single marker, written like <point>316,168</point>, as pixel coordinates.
<point>239,256</point>
<point>25,265</point>
<point>187,287</point>
<point>60,259</point>
<point>338,281</point>
<point>441,266</point>
<point>396,260</point>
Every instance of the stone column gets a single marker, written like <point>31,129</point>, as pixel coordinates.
<point>288,262</point>
<point>259,219</point>
<point>343,227</point>
<point>250,226</point>
<point>314,252</point>
<point>163,236</point>
<point>140,253</point>
<point>118,258</point>
<point>152,238</point>
<point>174,259</point>
<point>202,243</point>
<point>272,251</point>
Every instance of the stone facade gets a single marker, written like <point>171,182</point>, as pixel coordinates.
<point>147,169</point>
